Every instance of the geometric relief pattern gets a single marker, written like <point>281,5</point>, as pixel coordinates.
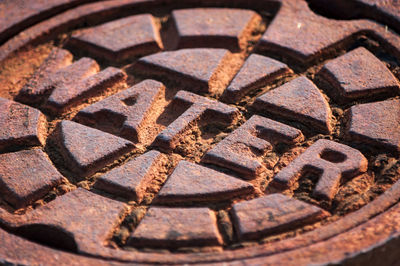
<point>204,145</point>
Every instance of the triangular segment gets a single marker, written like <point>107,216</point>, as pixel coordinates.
<point>192,182</point>
<point>199,69</point>
<point>256,72</point>
<point>300,100</point>
<point>88,149</point>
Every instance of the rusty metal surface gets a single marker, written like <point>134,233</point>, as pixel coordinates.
<point>168,132</point>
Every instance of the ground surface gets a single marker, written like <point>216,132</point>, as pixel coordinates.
<point>169,132</point>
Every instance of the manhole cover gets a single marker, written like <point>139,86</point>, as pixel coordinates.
<point>245,132</point>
